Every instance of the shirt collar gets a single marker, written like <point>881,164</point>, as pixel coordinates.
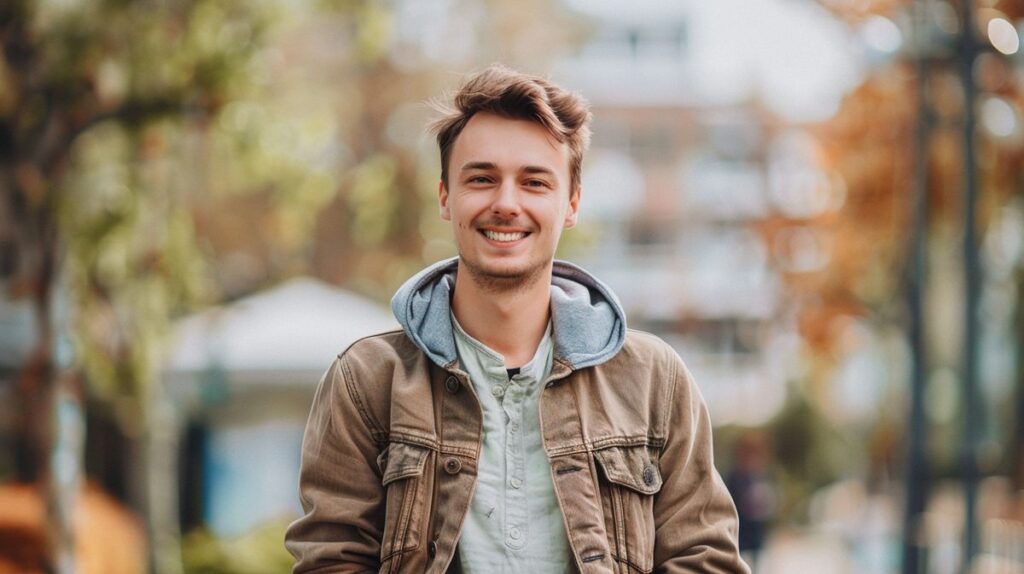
<point>477,357</point>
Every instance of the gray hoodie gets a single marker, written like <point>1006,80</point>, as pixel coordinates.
<point>588,323</point>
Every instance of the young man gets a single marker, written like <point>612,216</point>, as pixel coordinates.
<point>513,424</point>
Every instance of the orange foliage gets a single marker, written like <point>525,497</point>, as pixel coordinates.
<point>109,539</point>
<point>868,147</point>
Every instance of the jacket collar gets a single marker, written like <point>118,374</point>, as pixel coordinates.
<point>588,323</point>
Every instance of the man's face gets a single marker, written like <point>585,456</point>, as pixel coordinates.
<point>508,198</point>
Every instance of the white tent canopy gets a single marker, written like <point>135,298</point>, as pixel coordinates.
<point>297,327</point>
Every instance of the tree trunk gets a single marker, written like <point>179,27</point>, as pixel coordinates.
<point>43,439</point>
<point>161,456</point>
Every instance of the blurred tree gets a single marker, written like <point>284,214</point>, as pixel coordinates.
<point>91,96</point>
<point>867,148</point>
<point>864,150</point>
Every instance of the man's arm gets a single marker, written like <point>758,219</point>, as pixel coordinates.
<point>694,516</point>
<point>339,485</point>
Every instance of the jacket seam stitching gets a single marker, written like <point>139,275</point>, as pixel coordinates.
<point>413,439</point>
<point>631,563</point>
<point>570,449</point>
<point>455,450</point>
<point>576,409</point>
<point>626,441</point>
<point>375,430</point>
<point>607,442</point>
<point>565,518</point>
<point>668,406</point>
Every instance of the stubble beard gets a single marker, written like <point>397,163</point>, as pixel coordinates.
<point>502,282</point>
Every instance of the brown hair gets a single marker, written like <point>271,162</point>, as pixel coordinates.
<point>511,94</point>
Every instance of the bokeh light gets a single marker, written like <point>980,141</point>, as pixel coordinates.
<point>1003,35</point>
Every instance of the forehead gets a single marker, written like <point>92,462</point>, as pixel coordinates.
<point>509,144</point>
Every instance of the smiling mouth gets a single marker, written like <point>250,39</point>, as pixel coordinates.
<point>503,236</point>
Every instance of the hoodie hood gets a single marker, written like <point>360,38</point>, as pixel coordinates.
<point>587,321</point>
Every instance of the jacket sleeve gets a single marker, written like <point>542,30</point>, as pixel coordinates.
<point>696,526</point>
<point>339,485</point>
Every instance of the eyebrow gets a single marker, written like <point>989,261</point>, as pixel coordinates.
<point>478,165</point>
<point>539,170</point>
<point>487,165</point>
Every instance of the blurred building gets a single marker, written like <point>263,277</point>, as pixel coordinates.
<point>676,185</point>
<point>242,377</point>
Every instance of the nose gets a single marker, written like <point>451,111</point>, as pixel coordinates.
<point>506,201</point>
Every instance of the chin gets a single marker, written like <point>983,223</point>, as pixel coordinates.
<point>505,272</point>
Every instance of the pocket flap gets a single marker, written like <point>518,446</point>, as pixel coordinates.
<point>401,460</point>
<point>630,466</point>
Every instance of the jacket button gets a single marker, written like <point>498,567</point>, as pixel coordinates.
<point>432,549</point>
<point>452,465</point>
<point>649,475</point>
<point>451,384</point>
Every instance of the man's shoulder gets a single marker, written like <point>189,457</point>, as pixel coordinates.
<point>385,343</point>
<point>643,348</point>
<point>380,352</point>
<point>659,362</point>
<point>646,361</point>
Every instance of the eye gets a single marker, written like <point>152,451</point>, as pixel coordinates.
<point>479,179</point>
<point>536,183</point>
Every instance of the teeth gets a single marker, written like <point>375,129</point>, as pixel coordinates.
<point>498,236</point>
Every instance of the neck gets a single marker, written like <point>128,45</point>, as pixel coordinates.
<point>511,322</point>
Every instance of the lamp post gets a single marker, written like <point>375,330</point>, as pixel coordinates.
<point>916,485</point>
<point>968,54</point>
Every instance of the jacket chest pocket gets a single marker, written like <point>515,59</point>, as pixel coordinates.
<point>402,467</point>
<point>629,480</point>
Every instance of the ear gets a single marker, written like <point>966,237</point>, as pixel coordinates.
<point>442,200</point>
<point>574,208</point>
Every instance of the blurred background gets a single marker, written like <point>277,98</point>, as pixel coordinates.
<point>818,203</point>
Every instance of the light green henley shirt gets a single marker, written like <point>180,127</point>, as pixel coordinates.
<point>514,523</point>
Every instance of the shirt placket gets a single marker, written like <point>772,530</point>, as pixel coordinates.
<point>516,512</point>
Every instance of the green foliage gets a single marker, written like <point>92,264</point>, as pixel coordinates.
<point>808,452</point>
<point>260,551</point>
<point>373,200</point>
<point>281,144</point>
<point>130,257</point>
<point>105,102</point>
<point>373,32</point>
<point>166,107</point>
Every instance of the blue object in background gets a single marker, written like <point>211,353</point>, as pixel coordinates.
<point>251,474</point>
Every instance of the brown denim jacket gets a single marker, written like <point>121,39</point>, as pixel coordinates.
<point>389,463</point>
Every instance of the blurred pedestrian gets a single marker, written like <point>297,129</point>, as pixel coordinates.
<point>754,492</point>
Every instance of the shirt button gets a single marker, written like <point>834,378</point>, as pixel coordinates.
<point>451,384</point>
<point>432,549</point>
<point>516,483</point>
<point>498,391</point>
<point>515,426</point>
<point>452,465</point>
<point>514,533</point>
